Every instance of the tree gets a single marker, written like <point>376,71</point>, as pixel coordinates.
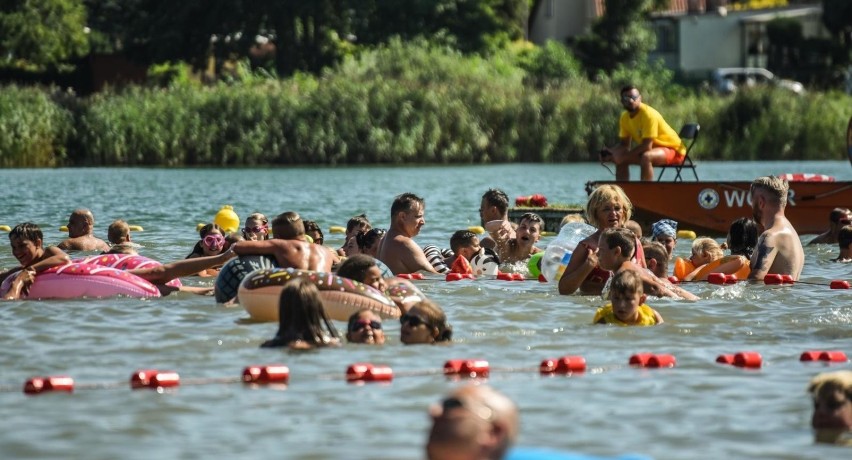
<point>42,34</point>
<point>837,17</point>
<point>620,36</point>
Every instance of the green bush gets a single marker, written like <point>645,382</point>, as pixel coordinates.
<point>34,130</point>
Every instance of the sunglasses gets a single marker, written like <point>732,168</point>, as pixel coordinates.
<point>258,229</point>
<point>480,410</point>
<point>411,320</point>
<point>629,98</point>
<point>375,325</point>
<point>214,242</point>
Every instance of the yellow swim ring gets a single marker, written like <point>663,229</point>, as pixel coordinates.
<point>5,228</point>
<point>476,229</point>
<point>337,229</point>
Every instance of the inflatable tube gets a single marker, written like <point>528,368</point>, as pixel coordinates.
<point>76,280</point>
<point>125,262</point>
<point>684,267</point>
<point>260,290</point>
<point>234,271</point>
<point>534,264</point>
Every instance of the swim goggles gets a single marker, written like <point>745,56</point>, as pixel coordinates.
<point>214,242</point>
<point>258,229</point>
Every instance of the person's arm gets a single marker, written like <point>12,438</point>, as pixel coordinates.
<point>416,260</point>
<point>20,284</point>
<point>53,256</point>
<point>763,257</point>
<point>259,247</point>
<point>164,273</point>
<point>644,146</point>
<point>657,316</point>
<point>583,261</point>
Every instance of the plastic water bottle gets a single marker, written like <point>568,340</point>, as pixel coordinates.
<point>559,251</point>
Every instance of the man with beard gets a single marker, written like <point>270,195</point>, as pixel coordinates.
<point>779,249</point>
<point>398,250</point>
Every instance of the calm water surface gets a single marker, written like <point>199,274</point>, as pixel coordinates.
<point>696,410</point>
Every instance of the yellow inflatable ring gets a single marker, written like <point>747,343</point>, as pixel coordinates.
<point>476,229</point>
<point>336,229</point>
<point>686,234</point>
<point>261,289</point>
<point>5,228</point>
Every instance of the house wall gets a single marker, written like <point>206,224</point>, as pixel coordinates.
<point>561,19</point>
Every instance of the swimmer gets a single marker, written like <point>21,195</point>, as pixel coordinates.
<point>256,227</point>
<point>465,244</point>
<point>634,227</point>
<point>356,224</point>
<point>27,240</point>
<point>837,218</point>
<point>779,249</point>
<point>656,258</point>
<point>494,217</point>
<point>368,244</point>
<point>706,251</point>
<point>844,241</point>
<point>212,243</point>
<point>398,249</point>
<point>313,230</point>
<point>742,237</point>
<point>665,232</point>
<point>521,247</point>
<point>289,246</point>
<point>832,416</point>
<point>365,326</point>
<point>571,218</point>
<point>364,269</point>
<point>615,252</point>
<point>425,322</point>
<point>627,307</point>
<point>81,236</point>
<point>301,318</point>
<point>118,234</point>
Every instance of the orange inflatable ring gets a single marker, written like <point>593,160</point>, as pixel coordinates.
<point>261,289</point>
<point>683,267</point>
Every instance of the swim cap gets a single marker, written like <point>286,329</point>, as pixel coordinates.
<point>665,227</point>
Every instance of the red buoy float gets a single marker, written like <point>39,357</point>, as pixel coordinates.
<point>152,378</point>
<point>275,373</point>
<point>37,385</point>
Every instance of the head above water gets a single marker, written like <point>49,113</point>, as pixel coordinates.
<point>80,223</point>
<point>288,226</point>
<point>607,195</point>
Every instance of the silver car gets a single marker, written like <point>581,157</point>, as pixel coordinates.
<point>726,80</point>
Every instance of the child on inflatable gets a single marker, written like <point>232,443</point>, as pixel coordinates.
<point>212,243</point>
<point>27,242</point>
<point>627,306</point>
<point>301,317</point>
<point>615,251</point>
<point>708,257</point>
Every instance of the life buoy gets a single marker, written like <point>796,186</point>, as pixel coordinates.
<point>260,291</point>
<point>805,177</point>
<point>234,271</point>
<point>77,280</point>
<point>125,262</point>
<point>684,267</point>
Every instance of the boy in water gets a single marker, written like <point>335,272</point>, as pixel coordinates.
<point>628,303</point>
<point>844,241</point>
<point>27,240</point>
<point>118,235</point>
<point>465,245</point>
<point>522,246</point>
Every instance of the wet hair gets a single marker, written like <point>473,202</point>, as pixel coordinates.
<point>844,237</point>
<point>198,249</point>
<point>743,237</point>
<point>353,318</point>
<point>708,245</point>
<point>205,230</point>
<point>118,232</point>
<point>435,318</point>
<point>838,214</point>
<point>312,226</point>
<point>288,226</point>
<point>775,186</point>
<point>461,239</point>
<point>256,217</point>
<point>620,238</point>
<point>655,250</point>
<point>301,316</point>
<point>360,221</point>
<point>626,282</point>
<point>405,202</point>
<point>368,238</point>
<point>27,231</point>
<point>355,267</point>
<point>602,196</point>
<point>532,217</point>
<point>497,198</point>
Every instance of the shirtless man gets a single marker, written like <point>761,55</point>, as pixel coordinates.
<point>398,250</point>
<point>837,218</point>
<point>494,214</point>
<point>80,233</point>
<point>779,250</point>
<point>289,246</point>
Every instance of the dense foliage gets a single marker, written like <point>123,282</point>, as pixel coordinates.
<point>406,103</point>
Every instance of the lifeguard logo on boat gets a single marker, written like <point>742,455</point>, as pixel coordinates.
<point>708,198</point>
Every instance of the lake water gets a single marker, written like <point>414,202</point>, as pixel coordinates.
<point>698,409</point>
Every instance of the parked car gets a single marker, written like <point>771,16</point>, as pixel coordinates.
<point>726,80</point>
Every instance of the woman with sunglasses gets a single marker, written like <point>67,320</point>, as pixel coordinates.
<point>212,243</point>
<point>301,317</point>
<point>365,326</point>
<point>425,322</point>
<point>256,228</point>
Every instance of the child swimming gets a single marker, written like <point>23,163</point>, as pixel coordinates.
<point>627,307</point>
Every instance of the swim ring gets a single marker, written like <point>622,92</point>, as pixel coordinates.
<point>234,271</point>
<point>76,280</point>
<point>260,290</point>
<point>684,267</point>
<point>125,262</point>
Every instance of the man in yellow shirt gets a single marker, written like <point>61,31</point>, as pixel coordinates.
<point>656,143</point>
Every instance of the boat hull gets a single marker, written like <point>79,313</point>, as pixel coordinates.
<point>709,207</point>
